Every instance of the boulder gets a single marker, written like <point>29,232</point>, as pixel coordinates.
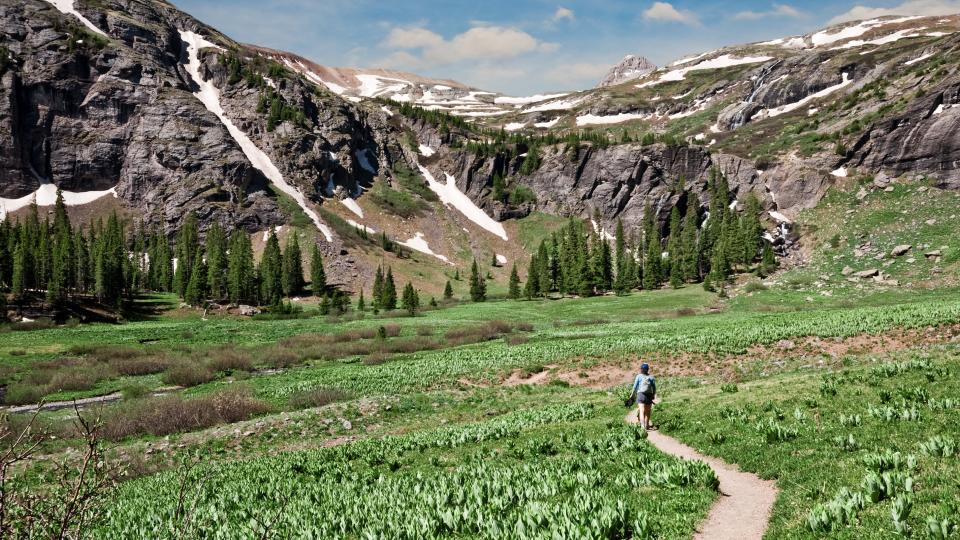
<point>247,311</point>
<point>901,250</point>
<point>933,254</point>
<point>867,274</point>
<point>846,271</point>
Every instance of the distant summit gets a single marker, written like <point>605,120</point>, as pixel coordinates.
<point>630,68</point>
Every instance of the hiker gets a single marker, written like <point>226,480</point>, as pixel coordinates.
<point>644,391</point>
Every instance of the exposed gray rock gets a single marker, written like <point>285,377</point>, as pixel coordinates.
<point>867,274</point>
<point>901,250</point>
<point>630,68</point>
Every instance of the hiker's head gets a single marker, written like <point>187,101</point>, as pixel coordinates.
<point>644,368</point>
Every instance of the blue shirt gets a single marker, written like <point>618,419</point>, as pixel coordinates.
<point>639,380</point>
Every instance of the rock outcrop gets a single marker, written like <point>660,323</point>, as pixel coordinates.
<point>630,68</point>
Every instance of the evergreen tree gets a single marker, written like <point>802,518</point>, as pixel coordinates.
<point>292,268</point>
<point>196,292</point>
<point>378,290</point>
<point>688,243</point>
<point>652,276</point>
<point>514,287</point>
<point>410,300</point>
<point>361,303</point>
<point>620,254</point>
<point>271,268</point>
<point>448,291</point>
<point>545,283</point>
<point>188,240</point>
<point>44,256</point>
<point>675,249</point>
<point>478,288</point>
<point>751,229</point>
<point>530,290</point>
<point>605,267</point>
<point>318,277</point>
<point>109,260</point>
<point>389,301</point>
<point>20,269</point>
<point>554,263</point>
<point>241,275</point>
<point>61,273</point>
<point>82,269</point>
<point>768,262</point>
<point>217,262</point>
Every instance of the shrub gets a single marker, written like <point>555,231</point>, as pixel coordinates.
<point>424,331</point>
<point>729,388</point>
<point>318,397</point>
<point>376,358</point>
<point>141,365</point>
<point>516,340</point>
<point>134,391</point>
<point>174,414</point>
<point>187,374</point>
<point>24,394</point>
<point>73,379</point>
<point>228,359</point>
<point>280,359</point>
<point>754,286</point>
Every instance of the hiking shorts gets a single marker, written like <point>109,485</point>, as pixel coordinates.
<point>643,399</point>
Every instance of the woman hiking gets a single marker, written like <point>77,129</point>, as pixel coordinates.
<point>644,390</point>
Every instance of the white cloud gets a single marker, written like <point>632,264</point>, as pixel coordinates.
<point>927,8</point>
<point>478,43</point>
<point>562,13</point>
<point>664,11</point>
<point>778,10</point>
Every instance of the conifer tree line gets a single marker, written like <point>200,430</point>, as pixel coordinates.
<point>109,261</point>
<point>695,248</point>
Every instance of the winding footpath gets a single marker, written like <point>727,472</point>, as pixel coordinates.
<point>743,510</point>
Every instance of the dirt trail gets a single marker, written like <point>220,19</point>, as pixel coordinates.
<point>743,510</point>
<point>81,403</point>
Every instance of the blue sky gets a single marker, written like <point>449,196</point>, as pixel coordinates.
<point>524,47</point>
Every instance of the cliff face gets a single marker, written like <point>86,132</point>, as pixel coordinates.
<point>91,113</point>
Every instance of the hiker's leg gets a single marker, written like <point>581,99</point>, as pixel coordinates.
<point>646,415</point>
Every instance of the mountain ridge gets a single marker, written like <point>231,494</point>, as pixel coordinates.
<point>120,116</point>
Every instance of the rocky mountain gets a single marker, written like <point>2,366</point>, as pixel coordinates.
<point>137,101</point>
<point>630,68</point>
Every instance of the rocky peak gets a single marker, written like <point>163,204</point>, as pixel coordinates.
<point>630,68</point>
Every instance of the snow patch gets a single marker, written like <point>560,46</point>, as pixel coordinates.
<point>826,38</point>
<point>419,244</point>
<point>561,105</point>
<point>386,110</point>
<point>780,217</point>
<point>896,36</point>
<point>506,100</point>
<point>452,196</point>
<point>840,173</point>
<point>548,124</point>
<point>515,126</point>
<point>356,225</point>
<point>593,119</point>
<point>374,85</point>
<point>427,151</point>
<point>783,109</point>
<point>353,206</point>
<point>723,61</point>
<point>209,95</point>
<point>66,6</point>
<point>46,195</point>
<point>501,259</point>
<point>920,59</point>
